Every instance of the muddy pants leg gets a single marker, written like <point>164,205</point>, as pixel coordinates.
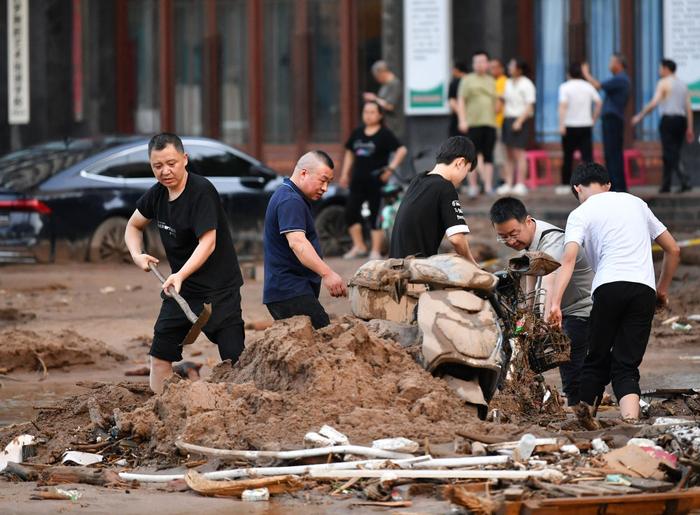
<point>632,338</point>
<point>603,327</point>
<point>576,328</point>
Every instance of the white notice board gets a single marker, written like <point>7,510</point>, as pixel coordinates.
<point>682,42</point>
<point>17,61</point>
<point>427,56</point>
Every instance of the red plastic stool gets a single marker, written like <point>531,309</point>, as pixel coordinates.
<point>640,178</point>
<point>533,177</point>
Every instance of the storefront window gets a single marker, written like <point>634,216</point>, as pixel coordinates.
<point>649,49</point>
<point>95,99</point>
<point>369,42</point>
<point>324,61</point>
<point>143,52</point>
<point>551,30</point>
<point>279,82</point>
<point>233,66</point>
<point>189,52</point>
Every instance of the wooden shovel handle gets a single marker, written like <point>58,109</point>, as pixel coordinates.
<point>178,298</point>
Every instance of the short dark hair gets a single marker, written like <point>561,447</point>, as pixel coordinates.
<point>162,140</point>
<point>586,174</point>
<point>462,66</point>
<point>455,147</point>
<point>382,111</point>
<point>508,208</point>
<point>481,52</point>
<point>621,59</point>
<point>669,63</point>
<point>324,158</point>
<point>521,64</point>
<point>575,70</point>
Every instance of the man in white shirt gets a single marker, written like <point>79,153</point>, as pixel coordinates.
<point>518,230</point>
<point>616,230</point>
<point>579,108</point>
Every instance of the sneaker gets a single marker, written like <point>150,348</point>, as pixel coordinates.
<point>562,190</point>
<point>355,254</point>
<point>504,189</point>
<point>520,189</point>
<point>375,255</point>
<point>473,191</point>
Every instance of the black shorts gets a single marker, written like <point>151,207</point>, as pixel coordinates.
<point>370,191</point>
<point>224,328</point>
<point>304,305</point>
<point>484,139</point>
<point>515,139</point>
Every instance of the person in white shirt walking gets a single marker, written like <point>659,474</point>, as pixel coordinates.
<point>579,108</point>
<point>615,230</point>
<point>519,107</point>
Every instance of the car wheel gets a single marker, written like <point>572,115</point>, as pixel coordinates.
<point>333,231</point>
<point>107,244</point>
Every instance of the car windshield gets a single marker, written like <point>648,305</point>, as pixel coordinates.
<point>25,169</point>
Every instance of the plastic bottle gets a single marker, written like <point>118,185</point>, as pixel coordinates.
<point>525,446</point>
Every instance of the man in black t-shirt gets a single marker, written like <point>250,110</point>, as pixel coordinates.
<point>197,241</point>
<point>430,208</point>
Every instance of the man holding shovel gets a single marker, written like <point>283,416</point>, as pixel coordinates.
<point>197,241</point>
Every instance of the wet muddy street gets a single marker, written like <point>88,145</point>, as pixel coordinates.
<point>66,329</point>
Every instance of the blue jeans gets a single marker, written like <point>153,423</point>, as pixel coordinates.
<point>576,328</point>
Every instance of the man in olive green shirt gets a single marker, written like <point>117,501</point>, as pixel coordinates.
<point>476,109</point>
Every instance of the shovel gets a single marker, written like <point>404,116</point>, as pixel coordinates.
<point>198,322</point>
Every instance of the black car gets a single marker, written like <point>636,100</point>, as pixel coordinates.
<point>73,198</point>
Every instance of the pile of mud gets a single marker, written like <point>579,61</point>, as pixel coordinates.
<point>29,350</point>
<point>295,379</point>
<point>67,425</point>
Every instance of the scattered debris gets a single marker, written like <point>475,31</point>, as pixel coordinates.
<point>226,488</point>
<point>18,450</point>
<point>57,494</point>
<point>107,289</point>
<point>81,458</point>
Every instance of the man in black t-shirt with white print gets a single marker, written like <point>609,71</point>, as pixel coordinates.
<point>430,209</point>
<point>197,241</point>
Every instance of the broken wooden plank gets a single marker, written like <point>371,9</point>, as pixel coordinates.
<point>632,504</point>
<point>225,488</point>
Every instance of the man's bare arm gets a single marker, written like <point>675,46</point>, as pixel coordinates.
<point>461,246</point>
<point>204,249</point>
<point>672,257</point>
<point>568,261</point>
<point>133,237</point>
<point>307,256</point>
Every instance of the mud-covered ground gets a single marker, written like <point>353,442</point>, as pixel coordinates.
<point>65,327</point>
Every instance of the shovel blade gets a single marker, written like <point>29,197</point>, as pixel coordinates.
<point>196,328</point>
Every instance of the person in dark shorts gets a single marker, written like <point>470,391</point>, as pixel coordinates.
<point>476,109</point>
<point>430,209</point>
<point>616,231</point>
<point>195,234</point>
<point>367,166</point>
<point>294,266</point>
<point>519,107</point>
